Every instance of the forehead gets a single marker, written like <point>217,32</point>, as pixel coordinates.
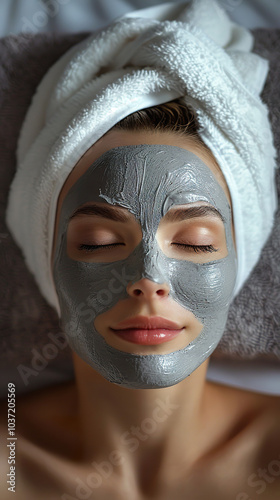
<point>139,172</point>
<point>147,180</point>
<point>118,138</point>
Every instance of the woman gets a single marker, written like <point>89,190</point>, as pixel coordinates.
<point>143,267</point>
<point>95,439</point>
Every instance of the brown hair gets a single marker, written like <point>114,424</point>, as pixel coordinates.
<point>174,116</point>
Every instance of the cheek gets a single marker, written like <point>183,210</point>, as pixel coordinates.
<point>204,289</point>
<point>87,290</point>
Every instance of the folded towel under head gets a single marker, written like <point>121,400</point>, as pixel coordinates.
<point>190,50</point>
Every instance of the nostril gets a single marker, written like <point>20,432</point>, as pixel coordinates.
<point>148,289</point>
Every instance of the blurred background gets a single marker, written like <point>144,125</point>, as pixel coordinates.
<point>68,16</point>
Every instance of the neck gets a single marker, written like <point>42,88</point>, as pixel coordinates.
<point>163,427</point>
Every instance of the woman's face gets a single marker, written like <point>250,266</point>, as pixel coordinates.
<point>143,231</point>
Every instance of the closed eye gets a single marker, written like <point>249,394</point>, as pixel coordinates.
<point>197,248</point>
<point>92,248</point>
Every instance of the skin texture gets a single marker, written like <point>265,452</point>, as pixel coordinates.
<point>150,183</point>
<point>196,439</point>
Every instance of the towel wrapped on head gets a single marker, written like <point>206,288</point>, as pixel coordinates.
<point>192,51</point>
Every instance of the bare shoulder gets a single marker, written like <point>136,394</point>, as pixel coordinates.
<point>45,435</point>
<point>246,451</point>
<point>245,399</point>
<point>264,478</point>
<point>248,412</point>
<point>49,415</point>
<point>45,416</point>
<point>251,419</point>
<point>268,423</point>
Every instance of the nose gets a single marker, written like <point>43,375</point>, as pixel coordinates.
<point>148,289</point>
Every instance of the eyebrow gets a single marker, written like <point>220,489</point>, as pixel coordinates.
<point>180,214</point>
<point>116,214</point>
<point>173,215</point>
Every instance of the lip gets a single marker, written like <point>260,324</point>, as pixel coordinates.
<point>147,330</point>
<point>147,323</point>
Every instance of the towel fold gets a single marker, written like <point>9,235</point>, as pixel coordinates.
<point>192,51</point>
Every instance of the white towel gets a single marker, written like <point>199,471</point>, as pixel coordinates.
<point>149,57</point>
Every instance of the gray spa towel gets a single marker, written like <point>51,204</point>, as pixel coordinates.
<point>33,353</point>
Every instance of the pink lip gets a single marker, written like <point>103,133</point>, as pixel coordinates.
<point>147,330</point>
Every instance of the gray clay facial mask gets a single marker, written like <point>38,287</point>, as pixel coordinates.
<point>147,180</point>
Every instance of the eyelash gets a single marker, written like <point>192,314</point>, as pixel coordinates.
<point>92,248</point>
<point>195,248</point>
